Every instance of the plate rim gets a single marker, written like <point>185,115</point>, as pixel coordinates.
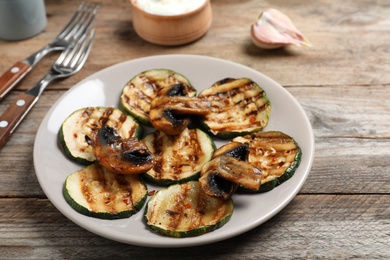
<point>182,242</point>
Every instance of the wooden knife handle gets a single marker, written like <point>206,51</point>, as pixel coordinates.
<point>14,114</point>
<point>12,76</point>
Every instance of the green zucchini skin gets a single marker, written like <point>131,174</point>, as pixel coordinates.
<point>87,121</point>
<point>86,192</point>
<point>271,184</point>
<point>178,158</point>
<point>276,140</point>
<point>183,210</point>
<point>238,107</point>
<point>143,88</point>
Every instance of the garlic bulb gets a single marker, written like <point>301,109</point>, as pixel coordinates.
<point>274,29</point>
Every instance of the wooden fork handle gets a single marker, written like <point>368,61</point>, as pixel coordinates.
<point>12,76</point>
<point>14,114</point>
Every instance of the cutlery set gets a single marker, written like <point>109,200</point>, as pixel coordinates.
<point>75,42</point>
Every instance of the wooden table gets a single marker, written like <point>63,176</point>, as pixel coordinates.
<point>342,82</point>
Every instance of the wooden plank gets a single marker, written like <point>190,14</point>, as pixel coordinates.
<point>16,157</point>
<point>346,111</point>
<point>343,52</point>
<point>311,226</point>
<point>351,165</point>
<point>352,129</point>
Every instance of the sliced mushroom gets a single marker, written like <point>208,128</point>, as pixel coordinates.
<point>176,90</point>
<point>235,149</point>
<point>124,156</point>
<point>170,111</point>
<point>222,175</point>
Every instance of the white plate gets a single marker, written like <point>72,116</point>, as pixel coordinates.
<point>104,88</point>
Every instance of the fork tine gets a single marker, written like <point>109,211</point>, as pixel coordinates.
<point>68,28</point>
<point>81,21</point>
<point>82,55</point>
<point>77,52</point>
<point>86,24</point>
<point>70,51</point>
<point>64,54</point>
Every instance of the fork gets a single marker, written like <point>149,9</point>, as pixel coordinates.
<point>68,63</point>
<point>78,25</point>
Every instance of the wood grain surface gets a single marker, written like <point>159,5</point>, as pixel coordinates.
<point>342,83</point>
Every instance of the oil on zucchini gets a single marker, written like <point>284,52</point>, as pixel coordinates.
<point>97,192</point>
<point>238,107</point>
<point>178,158</point>
<point>275,153</point>
<point>86,122</point>
<point>183,210</point>
<point>143,88</point>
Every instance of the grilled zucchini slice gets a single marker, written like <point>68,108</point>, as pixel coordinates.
<point>183,210</point>
<point>86,122</point>
<point>94,191</point>
<point>238,107</point>
<point>143,88</point>
<point>178,158</point>
<point>275,153</point>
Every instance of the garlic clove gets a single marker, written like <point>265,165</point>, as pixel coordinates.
<point>274,29</point>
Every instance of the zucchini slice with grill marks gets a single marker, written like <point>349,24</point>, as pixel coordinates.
<point>94,191</point>
<point>184,210</point>
<point>238,107</point>
<point>86,122</point>
<point>275,153</point>
<point>178,158</point>
<point>138,93</point>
